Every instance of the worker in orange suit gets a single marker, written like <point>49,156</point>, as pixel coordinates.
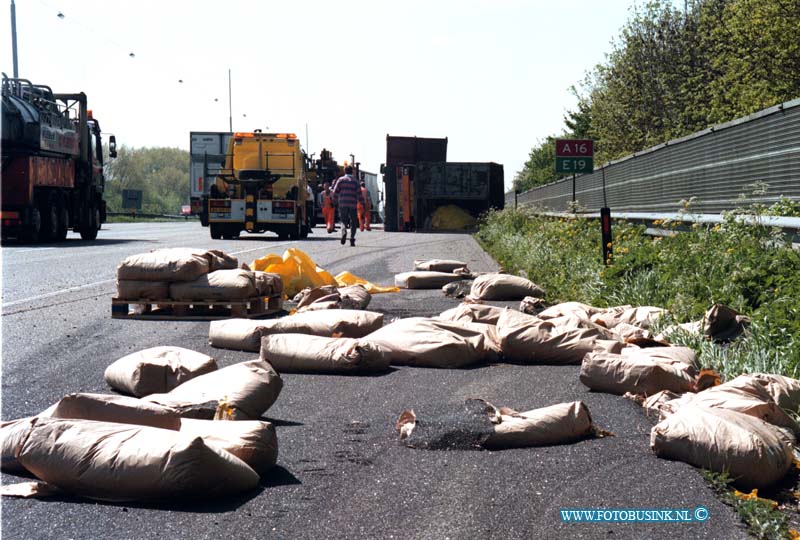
<point>328,211</point>
<point>364,208</point>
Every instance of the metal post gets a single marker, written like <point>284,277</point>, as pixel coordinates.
<point>230,106</point>
<point>14,38</point>
<point>574,206</point>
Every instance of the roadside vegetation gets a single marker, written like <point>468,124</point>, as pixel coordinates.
<point>751,268</point>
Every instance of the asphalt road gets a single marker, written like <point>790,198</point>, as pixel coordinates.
<point>342,472</point>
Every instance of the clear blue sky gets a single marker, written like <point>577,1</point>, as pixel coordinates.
<point>492,75</point>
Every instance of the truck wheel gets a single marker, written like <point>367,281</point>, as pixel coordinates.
<point>296,230</point>
<point>216,231</point>
<point>63,219</point>
<point>89,230</point>
<point>48,210</point>
<point>30,234</point>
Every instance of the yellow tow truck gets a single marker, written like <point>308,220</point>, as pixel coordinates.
<point>263,186</point>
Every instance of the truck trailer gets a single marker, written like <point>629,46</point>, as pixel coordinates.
<point>52,175</point>
<point>207,151</point>
<point>405,151</point>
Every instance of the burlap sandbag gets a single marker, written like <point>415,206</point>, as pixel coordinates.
<point>12,436</point>
<point>754,453</point>
<point>618,374</point>
<point>558,424</point>
<point>252,441</point>
<point>424,280</point>
<point>246,334</point>
<point>174,264</point>
<point>743,394</point>
<point>157,370</point>
<point>354,297</point>
<point>530,340</point>
<point>480,313</point>
<point>642,316</point>
<point>785,391</point>
<point>113,408</point>
<point>248,389</point>
<point>582,311</point>
<point>671,355</point>
<point>142,290</point>
<point>439,265</point>
<point>300,353</point>
<point>503,287</point>
<point>235,284</point>
<point>424,342</point>
<point>119,462</point>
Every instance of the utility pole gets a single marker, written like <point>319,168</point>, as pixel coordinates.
<point>230,107</point>
<point>14,38</point>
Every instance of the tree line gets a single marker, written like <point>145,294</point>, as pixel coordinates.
<point>672,72</point>
<point>162,174</point>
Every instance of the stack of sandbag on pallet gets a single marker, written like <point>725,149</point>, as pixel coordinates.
<point>433,274</point>
<point>737,427</point>
<point>432,342</point>
<point>332,297</point>
<point>479,424</point>
<point>190,274</point>
<point>246,334</point>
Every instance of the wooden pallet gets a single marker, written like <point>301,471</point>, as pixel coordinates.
<point>195,310</point>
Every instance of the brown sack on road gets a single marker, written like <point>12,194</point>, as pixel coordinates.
<point>479,313</point>
<point>157,370</point>
<point>300,353</point>
<point>439,265</point>
<point>424,280</point>
<point>112,408</point>
<point>246,334</point>
<point>503,287</point>
<point>785,391</point>
<point>248,388</point>
<point>424,342</point>
<point>119,462</point>
<point>754,453</point>
<point>618,374</point>
<point>252,441</point>
<point>642,316</point>
<point>558,424</point>
<point>12,436</point>
<point>528,339</point>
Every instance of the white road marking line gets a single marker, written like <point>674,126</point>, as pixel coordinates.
<point>260,248</point>
<point>27,250</point>
<point>56,293</point>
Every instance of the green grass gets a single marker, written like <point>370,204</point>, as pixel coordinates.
<point>751,268</point>
<point>764,521</point>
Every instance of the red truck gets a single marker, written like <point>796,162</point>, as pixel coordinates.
<point>52,175</point>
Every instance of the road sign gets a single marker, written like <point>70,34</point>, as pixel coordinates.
<point>132,199</point>
<point>574,156</point>
<point>573,165</point>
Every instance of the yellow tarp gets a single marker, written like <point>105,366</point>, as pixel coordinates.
<point>346,278</point>
<point>298,271</point>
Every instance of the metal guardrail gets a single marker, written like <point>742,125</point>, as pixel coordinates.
<point>718,166</point>
<point>150,216</point>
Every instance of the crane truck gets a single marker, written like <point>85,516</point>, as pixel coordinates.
<point>262,186</point>
<point>52,172</point>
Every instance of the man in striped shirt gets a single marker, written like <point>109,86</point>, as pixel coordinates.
<point>348,192</point>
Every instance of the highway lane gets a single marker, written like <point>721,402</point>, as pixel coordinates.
<point>342,472</point>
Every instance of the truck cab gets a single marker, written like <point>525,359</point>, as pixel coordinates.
<point>263,186</point>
